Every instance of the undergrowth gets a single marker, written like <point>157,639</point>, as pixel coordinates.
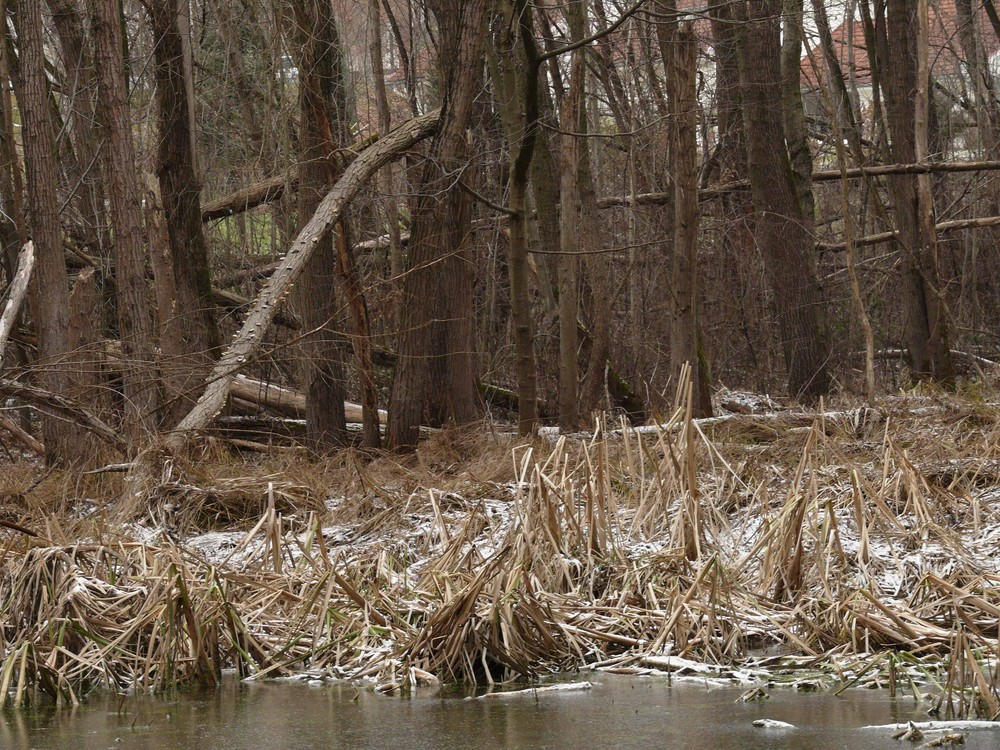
<point>859,541</point>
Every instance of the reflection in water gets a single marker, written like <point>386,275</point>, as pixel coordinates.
<point>620,712</point>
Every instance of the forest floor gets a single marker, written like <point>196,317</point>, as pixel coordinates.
<point>850,545</point>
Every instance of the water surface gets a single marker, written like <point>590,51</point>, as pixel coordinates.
<point>625,713</point>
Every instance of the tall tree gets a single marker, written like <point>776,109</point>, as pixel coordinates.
<point>793,110</point>
<point>135,325</point>
<point>436,366</point>
<point>679,46</point>
<point>901,44</point>
<point>192,342</point>
<point>571,113</point>
<point>50,285</point>
<point>84,169</point>
<point>730,153</point>
<point>781,229</point>
<point>322,127</point>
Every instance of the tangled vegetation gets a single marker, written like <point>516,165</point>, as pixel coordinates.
<point>848,545</point>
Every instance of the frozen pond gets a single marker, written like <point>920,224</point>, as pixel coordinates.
<point>622,712</point>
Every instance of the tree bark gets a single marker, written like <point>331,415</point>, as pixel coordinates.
<point>16,291</point>
<point>901,34</point>
<point>85,178</point>
<point>192,313</point>
<point>361,341</point>
<point>793,112</point>
<point>730,154</point>
<point>50,285</point>
<point>389,200</point>
<point>322,128</point>
<point>685,335</point>
<point>568,268</point>
<point>436,369</point>
<point>781,233</point>
<point>133,301</point>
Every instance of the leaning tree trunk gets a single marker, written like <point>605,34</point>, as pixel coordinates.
<point>781,232</point>
<point>50,286</point>
<point>251,335</point>
<point>192,317</point>
<point>436,365</point>
<point>135,325</point>
<point>901,40</point>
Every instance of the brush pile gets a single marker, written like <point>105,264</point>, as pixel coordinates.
<point>858,545</point>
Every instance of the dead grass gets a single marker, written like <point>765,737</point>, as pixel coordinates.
<point>863,540</point>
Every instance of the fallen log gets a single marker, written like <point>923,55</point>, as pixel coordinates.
<point>273,188</point>
<point>265,191</point>
<point>825,175</point>
<point>21,435</point>
<point>61,406</point>
<point>289,402</point>
<point>261,315</point>
<point>944,226</point>
<point>255,273</point>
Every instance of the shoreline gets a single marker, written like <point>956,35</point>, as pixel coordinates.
<point>858,535</point>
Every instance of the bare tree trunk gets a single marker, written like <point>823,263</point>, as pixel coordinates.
<point>321,129</point>
<point>11,184</point>
<point>568,268</point>
<point>50,286</point>
<point>361,341</point>
<point>133,303</point>
<point>901,41</point>
<point>13,230</point>
<point>520,76</point>
<point>793,112</point>
<point>685,336</point>
<point>731,149</point>
<point>85,188</point>
<point>192,314</point>
<point>593,390</point>
<point>18,279</point>
<point>384,125</point>
<point>781,232</point>
<point>439,281</point>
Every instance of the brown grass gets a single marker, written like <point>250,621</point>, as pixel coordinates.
<point>861,539</point>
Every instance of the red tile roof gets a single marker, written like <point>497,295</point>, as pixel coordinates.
<point>945,46</point>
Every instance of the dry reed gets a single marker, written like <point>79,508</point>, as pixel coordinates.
<point>855,546</point>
